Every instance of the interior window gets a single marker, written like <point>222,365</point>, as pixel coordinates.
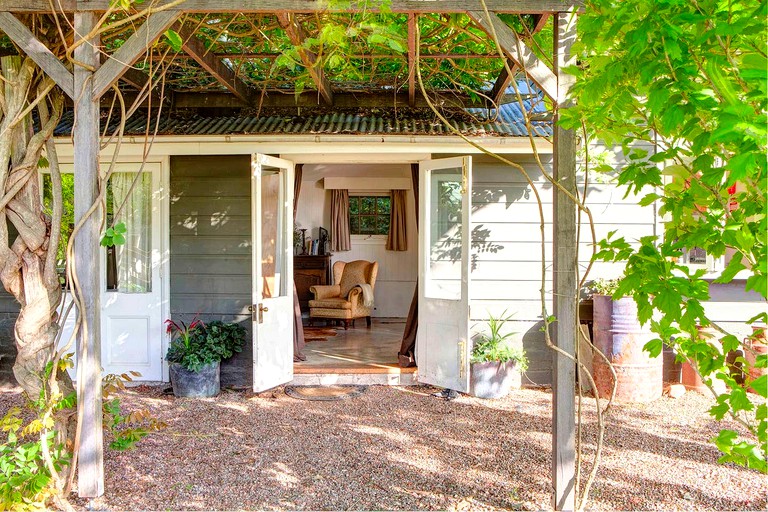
<point>369,215</point>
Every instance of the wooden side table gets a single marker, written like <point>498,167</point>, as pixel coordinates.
<point>310,271</point>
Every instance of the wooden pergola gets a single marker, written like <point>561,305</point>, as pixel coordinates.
<point>91,80</point>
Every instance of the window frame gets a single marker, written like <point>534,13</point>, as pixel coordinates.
<point>363,237</point>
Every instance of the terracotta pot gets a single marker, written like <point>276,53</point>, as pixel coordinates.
<point>756,345</point>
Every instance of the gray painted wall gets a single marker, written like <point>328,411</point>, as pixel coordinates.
<point>210,237</point>
<point>9,310</point>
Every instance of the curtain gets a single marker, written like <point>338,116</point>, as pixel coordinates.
<point>298,326</point>
<point>406,356</point>
<point>340,240</point>
<point>133,208</point>
<point>397,240</point>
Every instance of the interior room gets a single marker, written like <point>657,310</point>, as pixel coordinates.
<point>361,339</point>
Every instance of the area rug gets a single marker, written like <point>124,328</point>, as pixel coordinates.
<point>318,333</point>
<point>324,393</point>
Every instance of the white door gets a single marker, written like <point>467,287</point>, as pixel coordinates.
<point>442,345</point>
<point>132,331</point>
<point>272,309</point>
<point>131,322</point>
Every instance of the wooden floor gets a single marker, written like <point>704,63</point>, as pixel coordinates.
<point>357,350</point>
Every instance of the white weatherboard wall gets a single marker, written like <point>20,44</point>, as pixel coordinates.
<point>397,269</point>
<point>506,236</point>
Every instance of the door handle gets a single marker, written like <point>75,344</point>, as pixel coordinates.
<point>263,309</point>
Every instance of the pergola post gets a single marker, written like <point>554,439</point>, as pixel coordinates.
<point>565,282</point>
<point>87,261</point>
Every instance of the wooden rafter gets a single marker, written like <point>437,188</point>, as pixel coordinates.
<point>38,52</point>
<point>131,50</point>
<point>505,78</point>
<point>296,34</point>
<point>272,6</point>
<point>195,48</point>
<point>516,50</point>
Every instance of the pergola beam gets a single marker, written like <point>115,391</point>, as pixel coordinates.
<point>565,278</point>
<point>86,265</point>
<point>505,78</point>
<point>38,52</point>
<point>516,50</point>
<point>131,50</point>
<point>272,6</point>
<point>296,34</point>
<point>195,48</point>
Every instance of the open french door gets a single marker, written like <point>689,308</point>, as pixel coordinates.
<point>443,344</point>
<point>272,235</point>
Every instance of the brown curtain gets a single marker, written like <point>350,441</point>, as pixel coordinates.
<point>298,326</point>
<point>340,240</point>
<point>407,354</point>
<point>397,240</point>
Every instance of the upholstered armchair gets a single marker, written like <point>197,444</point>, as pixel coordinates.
<point>345,300</point>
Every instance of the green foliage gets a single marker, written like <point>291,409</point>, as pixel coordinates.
<point>494,346</point>
<point>114,235</point>
<point>197,344</point>
<point>604,286</point>
<point>126,428</point>
<point>689,80</point>
<point>25,481</point>
<point>174,40</point>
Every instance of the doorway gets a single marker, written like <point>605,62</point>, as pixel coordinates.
<point>357,349</point>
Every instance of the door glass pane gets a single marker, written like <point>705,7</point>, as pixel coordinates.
<point>129,203</point>
<point>443,276</point>
<point>272,228</point>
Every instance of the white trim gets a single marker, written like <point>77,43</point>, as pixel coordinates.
<point>165,251</point>
<point>367,147</point>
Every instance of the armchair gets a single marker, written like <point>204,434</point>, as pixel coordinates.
<point>344,300</point>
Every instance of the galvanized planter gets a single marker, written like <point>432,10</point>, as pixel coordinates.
<point>199,384</point>
<point>493,379</point>
<point>619,335</point>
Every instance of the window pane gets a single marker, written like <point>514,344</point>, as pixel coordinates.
<point>354,225</point>
<point>272,228</point>
<point>383,205</point>
<point>444,270</point>
<point>130,199</point>
<point>382,225</point>
<point>368,224</point>
<point>368,205</point>
<point>354,205</point>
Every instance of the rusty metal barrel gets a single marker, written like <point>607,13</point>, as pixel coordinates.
<point>619,335</point>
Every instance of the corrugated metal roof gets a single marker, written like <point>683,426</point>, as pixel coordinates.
<point>475,122</point>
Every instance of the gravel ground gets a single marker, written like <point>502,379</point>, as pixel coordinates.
<point>401,449</point>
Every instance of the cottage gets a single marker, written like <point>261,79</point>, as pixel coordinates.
<point>239,157</point>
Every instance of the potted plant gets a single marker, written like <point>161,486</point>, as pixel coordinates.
<point>496,364</point>
<point>195,352</point>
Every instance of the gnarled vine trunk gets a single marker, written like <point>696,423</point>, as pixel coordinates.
<point>28,251</point>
